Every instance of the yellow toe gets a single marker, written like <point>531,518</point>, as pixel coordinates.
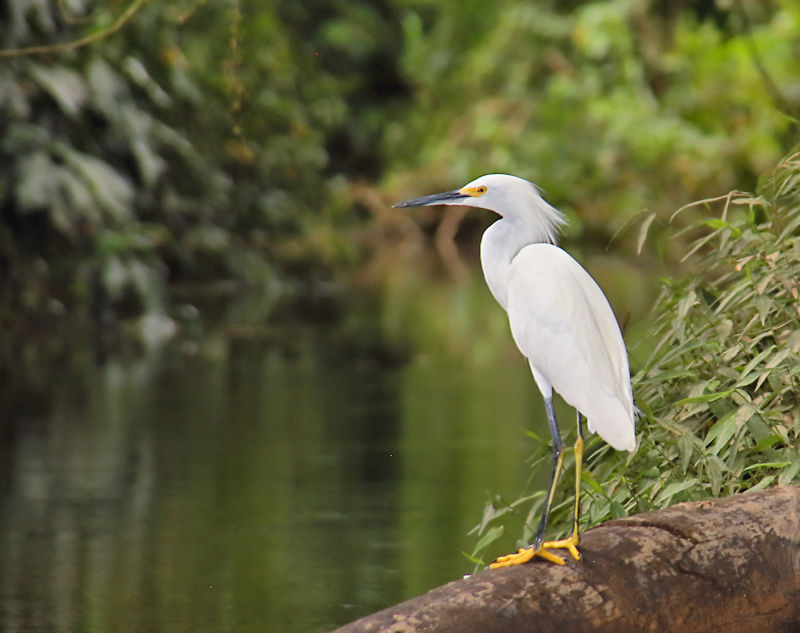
<point>553,558</point>
<point>570,543</point>
<point>523,556</point>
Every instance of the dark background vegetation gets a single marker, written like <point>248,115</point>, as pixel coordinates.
<point>255,142</point>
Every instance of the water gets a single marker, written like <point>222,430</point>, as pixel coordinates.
<point>284,478</point>
<point>284,474</point>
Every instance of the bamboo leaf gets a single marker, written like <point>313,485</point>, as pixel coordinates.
<point>643,230</point>
<point>788,474</point>
<point>766,442</point>
<point>706,397</point>
<point>676,487</point>
<point>492,534</point>
<point>766,481</point>
<point>721,432</point>
<point>748,376</point>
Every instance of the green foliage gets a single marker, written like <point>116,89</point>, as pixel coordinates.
<point>720,410</point>
<point>615,106</point>
<point>720,390</point>
<point>196,140</point>
<point>101,188</point>
<point>195,143</point>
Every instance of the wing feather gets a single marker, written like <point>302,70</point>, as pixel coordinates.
<point>563,324</point>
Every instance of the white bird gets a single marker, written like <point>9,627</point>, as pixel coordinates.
<point>561,322</point>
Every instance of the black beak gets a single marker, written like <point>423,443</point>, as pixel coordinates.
<point>436,198</point>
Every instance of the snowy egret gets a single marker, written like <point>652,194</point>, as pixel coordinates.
<point>561,322</point>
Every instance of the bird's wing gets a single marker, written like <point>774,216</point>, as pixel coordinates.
<point>563,324</point>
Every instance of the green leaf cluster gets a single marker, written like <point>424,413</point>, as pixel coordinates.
<point>720,389</point>
<point>201,141</point>
<point>102,189</point>
<point>615,106</point>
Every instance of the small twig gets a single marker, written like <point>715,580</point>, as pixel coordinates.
<point>84,41</point>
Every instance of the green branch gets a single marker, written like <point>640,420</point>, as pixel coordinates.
<point>84,41</point>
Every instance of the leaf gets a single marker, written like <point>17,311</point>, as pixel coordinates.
<point>112,192</point>
<point>151,165</point>
<point>685,304</point>
<point>773,362</point>
<point>106,87</point>
<point>745,412</point>
<point>765,465</point>
<point>724,328</point>
<point>45,185</point>
<point>717,223</point>
<point>731,294</point>
<point>538,438</point>
<point>721,432</point>
<point>492,534</point>
<point>34,177</point>
<point>686,449</point>
<point>617,510</point>
<point>115,276</point>
<point>643,230</point>
<point>793,343</point>
<point>705,397</point>
<point>763,483</point>
<point>669,375</point>
<point>714,470</point>
<point>14,100</point>
<point>65,86</point>
<point>138,73</point>
<point>490,513</point>
<point>747,373</point>
<point>473,559</point>
<point>592,483</point>
<point>767,442</point>
<point>764,304</point>
<point>676,487</point>
<point>788,474</point>
<point>790,228</point>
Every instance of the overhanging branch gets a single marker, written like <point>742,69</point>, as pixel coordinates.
<point>124,17</point>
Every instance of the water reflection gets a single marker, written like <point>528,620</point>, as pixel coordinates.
<point>287,482</point>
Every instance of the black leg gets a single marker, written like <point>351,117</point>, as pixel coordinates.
<point>539,547</point>
<point>558,459</point>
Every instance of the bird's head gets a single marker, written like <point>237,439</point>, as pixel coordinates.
<point>508,196</point>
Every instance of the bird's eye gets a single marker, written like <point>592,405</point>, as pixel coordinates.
<point>480,190</point>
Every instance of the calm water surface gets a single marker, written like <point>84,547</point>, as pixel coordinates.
<point>292,480</point>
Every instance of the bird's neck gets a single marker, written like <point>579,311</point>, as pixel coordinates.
<point>499,245</point>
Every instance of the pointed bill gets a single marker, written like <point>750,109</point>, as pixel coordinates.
<point>448,197</point>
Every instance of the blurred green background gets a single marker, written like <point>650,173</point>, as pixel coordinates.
<point>240,392</point>
<point>257,144</point>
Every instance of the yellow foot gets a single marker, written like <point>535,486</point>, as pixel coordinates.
<point>570,543</point>
<point>524,555</point>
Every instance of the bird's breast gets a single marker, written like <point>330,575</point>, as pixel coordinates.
<point>500,244</point>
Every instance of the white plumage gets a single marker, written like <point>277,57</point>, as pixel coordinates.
<point>560,320</point>
<point>563,324</point>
